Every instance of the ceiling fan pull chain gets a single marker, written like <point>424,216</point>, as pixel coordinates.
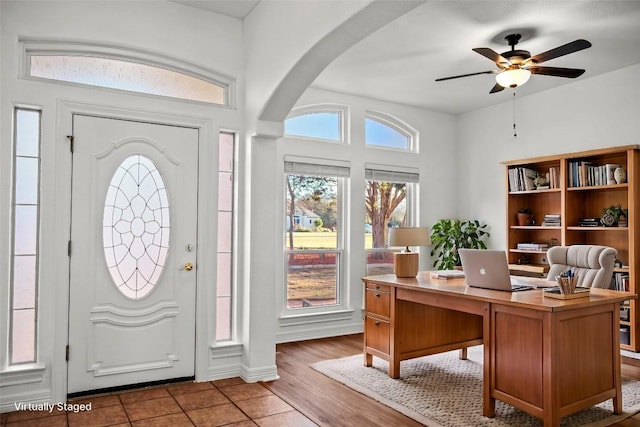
<point>515,132</point>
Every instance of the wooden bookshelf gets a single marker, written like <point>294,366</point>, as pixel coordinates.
<point>574,200</point>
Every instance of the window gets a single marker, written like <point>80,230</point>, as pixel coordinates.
<point>317,122</point>
<point>386,132</point>
<point>224,289</point>
<point>313,234</point>
<point>388,203</point>
<point>117,68</point>
<point>24,253</point>
<point>136,226</point>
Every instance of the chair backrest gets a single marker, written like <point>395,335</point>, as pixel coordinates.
<point>592,264</point>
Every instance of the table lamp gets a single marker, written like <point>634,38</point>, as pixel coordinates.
<point>406,263</point>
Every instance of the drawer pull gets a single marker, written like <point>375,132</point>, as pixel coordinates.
<point>378,295</point>
<point>376,323</point>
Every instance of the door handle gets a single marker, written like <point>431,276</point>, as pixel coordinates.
<point>188,267</point>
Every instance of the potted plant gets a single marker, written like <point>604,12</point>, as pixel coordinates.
<point>525,216</point>
<point>448,235</point>
<point>611,215</point>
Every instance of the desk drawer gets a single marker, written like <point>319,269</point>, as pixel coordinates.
<point>377,334</point>
<point>378,301</point>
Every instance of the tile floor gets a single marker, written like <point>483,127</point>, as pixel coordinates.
<point>229,402</point>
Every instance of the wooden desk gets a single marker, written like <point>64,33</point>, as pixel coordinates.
<point>546,356</point>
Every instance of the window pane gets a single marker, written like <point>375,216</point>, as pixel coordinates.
<point>223,319</point>
<point>125,75</point>
<point>225,231</point>
<point>27,132</point>
<point>23,333</point>
<point>312,279</point>
<point>324,125</point>
<point>225,191</point>
<point>24,281</point>
<point>312,212</point>
<point>379,262</point>
<point>26,230</point>
<point>386,206</point>
<point>27,180</point>
<point>380,134</point>
<point>225,155</point>
<point>223,284</point>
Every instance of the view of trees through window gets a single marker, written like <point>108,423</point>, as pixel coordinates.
<point>386,206</point>
<point>312,240</point>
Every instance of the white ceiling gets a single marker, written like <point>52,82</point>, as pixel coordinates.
<point>400,62</point>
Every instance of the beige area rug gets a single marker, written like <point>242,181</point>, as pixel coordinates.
<point>444,391</point>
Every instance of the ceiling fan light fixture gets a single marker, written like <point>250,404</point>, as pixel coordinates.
<point>513,78</point>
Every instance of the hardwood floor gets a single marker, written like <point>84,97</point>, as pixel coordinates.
<point>329,403</point>
<point>301,396</point>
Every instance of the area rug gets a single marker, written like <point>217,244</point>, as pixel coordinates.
<point>443,391</point>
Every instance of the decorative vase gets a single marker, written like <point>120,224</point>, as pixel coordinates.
<point>525,218</point>
<point>608,220</point>
<point>620,175</point>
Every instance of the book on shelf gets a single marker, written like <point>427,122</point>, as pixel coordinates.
<point>586,174</point>
<point>523,179</point>
<point>551,220</point>
<point>589,222</point>
<point>620,281</point>
<point>532,246</point>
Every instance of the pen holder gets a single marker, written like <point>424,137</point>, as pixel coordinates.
<point>567,285</point>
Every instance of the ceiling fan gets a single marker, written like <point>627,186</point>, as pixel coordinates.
<point>516,66</point>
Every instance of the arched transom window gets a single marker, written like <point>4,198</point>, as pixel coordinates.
<point>321,122</point>
<point>384,131</point>
<point>120,69</point>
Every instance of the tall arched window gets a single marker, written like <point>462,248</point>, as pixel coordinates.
<point>384,131</point>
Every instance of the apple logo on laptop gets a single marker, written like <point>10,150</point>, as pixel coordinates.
<point>483,271</point>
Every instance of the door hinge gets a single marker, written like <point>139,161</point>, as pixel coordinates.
<point>70,138</point>
<point>69,248</point>
<point>66,354</point>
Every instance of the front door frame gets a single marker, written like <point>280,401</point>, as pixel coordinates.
<point>208,133</point>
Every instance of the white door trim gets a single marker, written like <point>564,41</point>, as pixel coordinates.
<point>207,206</point>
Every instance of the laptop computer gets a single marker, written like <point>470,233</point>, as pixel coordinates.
<point>488,269</point>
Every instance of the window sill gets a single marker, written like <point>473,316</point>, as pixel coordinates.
<point>308,318</point>
<point>225,349</point>
<point>22,374</point>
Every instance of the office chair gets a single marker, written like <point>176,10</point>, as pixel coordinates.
<point>593,264</point>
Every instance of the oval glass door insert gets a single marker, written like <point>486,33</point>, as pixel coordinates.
<point>136,226</point>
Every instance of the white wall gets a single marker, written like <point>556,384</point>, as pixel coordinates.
<point>596,112</point>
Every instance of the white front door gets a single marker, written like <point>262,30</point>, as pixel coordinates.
<point>133,231</point>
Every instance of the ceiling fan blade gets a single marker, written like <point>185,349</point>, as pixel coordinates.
<point>571,73</point>
<point>565,49</point>
<point>467,75</point>
<point>492,55</point>
<point>496,88</point>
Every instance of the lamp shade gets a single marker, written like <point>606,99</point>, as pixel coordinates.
<point>513,78</point>
<point>409,236</point>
